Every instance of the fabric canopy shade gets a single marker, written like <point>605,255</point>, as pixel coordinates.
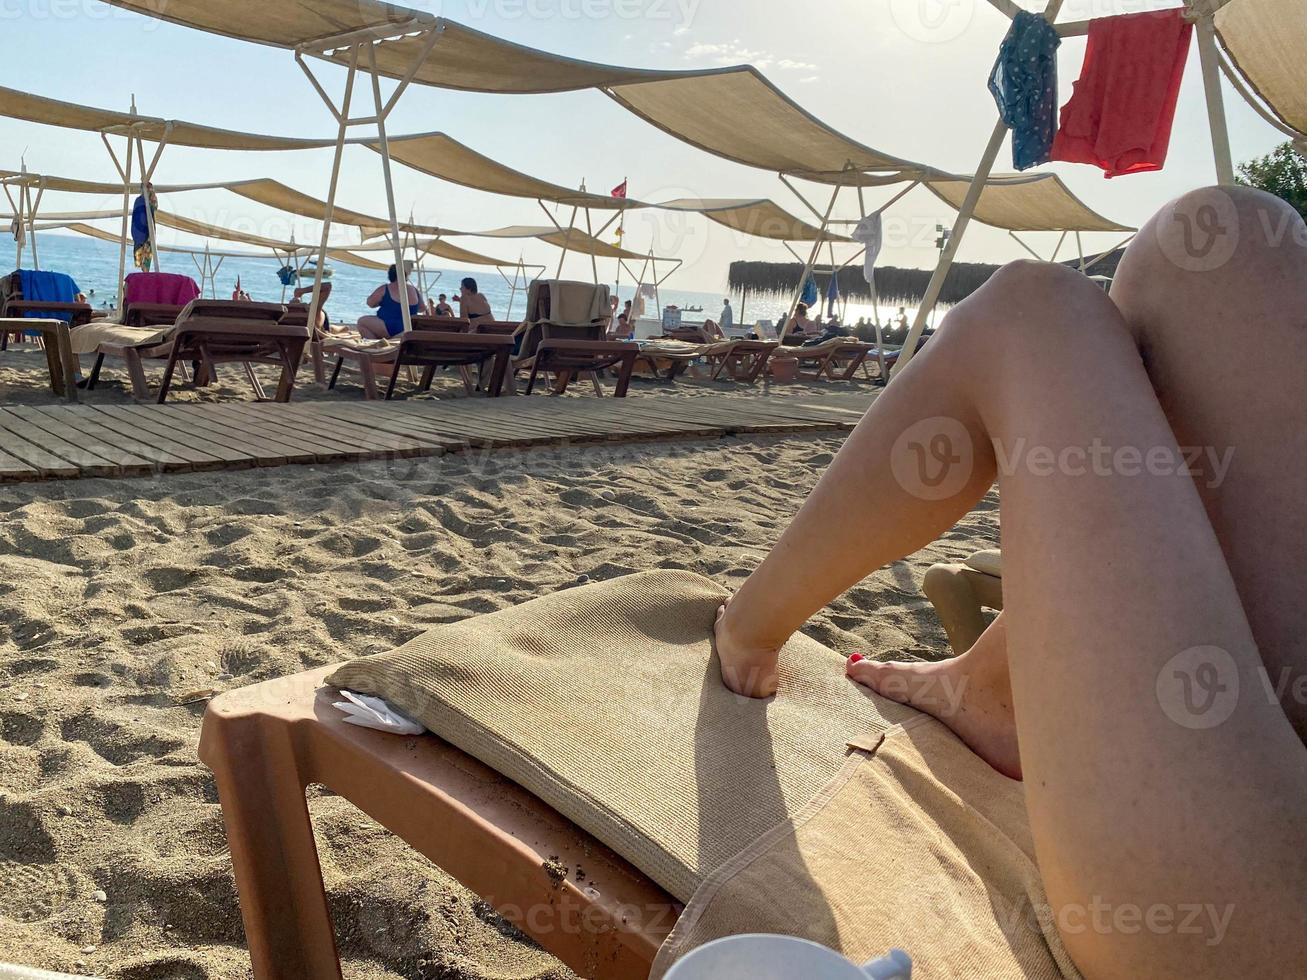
<point>761,218</point>
<point>340,255</point>
<point>1038,202</point>
<point>735,113</point>
<point>438,155</point>
<point>1267,41</point>
<point>51,112</point>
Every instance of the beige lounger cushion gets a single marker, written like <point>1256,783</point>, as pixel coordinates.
<point>918,845</point>
<point>826,812</point>
<point>607,703</point>
<point>987,563</point>
<point>87,339</point>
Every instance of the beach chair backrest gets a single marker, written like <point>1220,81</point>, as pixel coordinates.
<point>235,309</point>
<point>160,287</point>
<point>565,302</point>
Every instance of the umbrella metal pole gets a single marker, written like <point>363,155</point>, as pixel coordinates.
<point>1210,61</point>
<point>396,243</point>
<point>960,225</point>
<point>342,120</point>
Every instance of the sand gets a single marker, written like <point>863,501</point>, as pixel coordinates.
<point>126,599</point>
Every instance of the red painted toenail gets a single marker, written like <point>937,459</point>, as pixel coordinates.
<point>857,658</point>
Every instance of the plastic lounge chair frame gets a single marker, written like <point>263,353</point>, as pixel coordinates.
<point>267,743</point>
<point>59,357</point>
<point>214,332</point>
<point>432,349</point>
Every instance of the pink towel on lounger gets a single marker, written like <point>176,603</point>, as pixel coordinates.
<point>161,287</point>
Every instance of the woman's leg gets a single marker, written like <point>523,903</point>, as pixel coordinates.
<point>373,328</point>
<point>1161,779</point>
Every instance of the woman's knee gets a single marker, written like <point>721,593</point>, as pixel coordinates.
<point>1031,306</point>
<point>1213,234</point>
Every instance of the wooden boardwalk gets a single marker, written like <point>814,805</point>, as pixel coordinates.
<point>70,441</point>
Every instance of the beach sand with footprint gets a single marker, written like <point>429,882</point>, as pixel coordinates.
<point>126,601</point>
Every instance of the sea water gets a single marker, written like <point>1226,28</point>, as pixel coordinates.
<point>94,265</point>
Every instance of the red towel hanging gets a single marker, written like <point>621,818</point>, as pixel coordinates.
<point>1120,115</point>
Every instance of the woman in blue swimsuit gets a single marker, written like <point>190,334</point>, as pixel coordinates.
<point>389,319</point>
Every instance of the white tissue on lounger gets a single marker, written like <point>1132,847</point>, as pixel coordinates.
<point>374,713</point>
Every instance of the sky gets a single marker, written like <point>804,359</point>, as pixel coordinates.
<point>904,76</point>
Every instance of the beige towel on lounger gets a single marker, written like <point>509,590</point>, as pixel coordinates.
<point>607,703</point>
<point>87,339</point>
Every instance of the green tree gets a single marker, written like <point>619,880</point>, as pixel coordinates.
<point>1282,172</point>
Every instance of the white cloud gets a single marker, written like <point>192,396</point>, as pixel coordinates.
<point>735,53</point>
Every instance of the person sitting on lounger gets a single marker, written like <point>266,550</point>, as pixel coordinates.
<point>389,321</point>
<point>1150,590</point>
<point>799,328</point>
<point>625,328</point>
<point>471,304</point>
<point>299,294</point>
<point>442,307</point>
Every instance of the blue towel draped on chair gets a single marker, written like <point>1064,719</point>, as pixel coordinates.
<point>48,287</point>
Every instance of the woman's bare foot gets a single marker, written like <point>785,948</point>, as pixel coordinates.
<point>747,667</point>
<point>971,694</point>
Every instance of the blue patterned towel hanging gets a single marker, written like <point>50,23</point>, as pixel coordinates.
<point>1024,84</point>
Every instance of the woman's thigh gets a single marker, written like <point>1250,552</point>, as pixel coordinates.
<point>1215,291</point>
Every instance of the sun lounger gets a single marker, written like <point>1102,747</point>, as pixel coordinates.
<point>742,360</point>
<point>835,360</point>
<point>662,788</point>
<point>265,744</point>
<point>58,352</point>
<point>207,333</point>
<point>429,350</point>
<point>564,335</point>
<point>961,593</point>
<point>14,305</point>
<point>739,360</point>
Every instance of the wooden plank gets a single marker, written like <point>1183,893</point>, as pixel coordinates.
<point>12,469</point>
<point>364,427</point>
<point>373,443</point>
<point>169,426</point>
<point>398,424</point>
<point>111,456</point>
<point>85,462</point>
<point>34,455</point>
<point>284,430</point>
<point>137,426</point>
<point>272,450</point>
<point>134,441</point>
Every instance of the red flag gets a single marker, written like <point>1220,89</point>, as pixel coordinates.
<point>620,190</point>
